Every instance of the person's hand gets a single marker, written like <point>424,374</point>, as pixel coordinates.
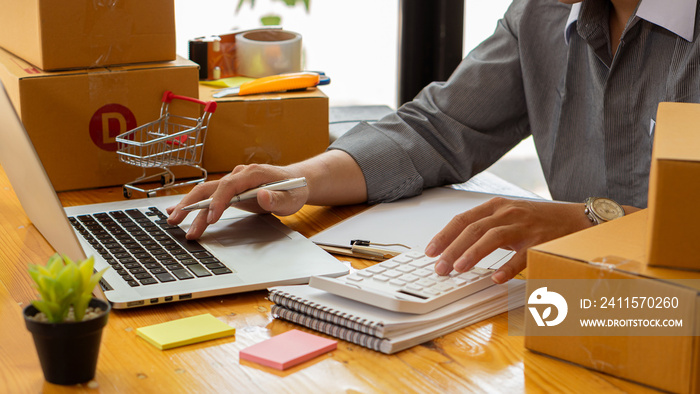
<point>242,178</point>
<point>332,178</point>
<point>503,223</point>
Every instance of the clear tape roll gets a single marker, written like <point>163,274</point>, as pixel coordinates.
<point>267,52</point>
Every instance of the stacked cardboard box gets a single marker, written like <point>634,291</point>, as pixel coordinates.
<point>658,248</point>
<point>109,63</point>
<point>275,128</point>
<point>73,117</point>
<point>674,188</point>
<point>55,35</point>
<point>79,74</point>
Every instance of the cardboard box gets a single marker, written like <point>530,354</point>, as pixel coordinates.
<point>277,129</point>
<point>74,116</point>
<point>674,188</point>
<point>54,35</point>
<point>669,363</point>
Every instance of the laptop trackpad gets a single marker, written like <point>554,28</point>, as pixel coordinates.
<point>242,231</point>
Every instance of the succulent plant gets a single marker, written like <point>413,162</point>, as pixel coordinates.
<point>63,284</point>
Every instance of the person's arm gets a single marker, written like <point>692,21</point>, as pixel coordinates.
<point>333,178</point>
<point>452,130</point>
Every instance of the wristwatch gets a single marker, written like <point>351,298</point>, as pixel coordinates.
<point>601,209</point>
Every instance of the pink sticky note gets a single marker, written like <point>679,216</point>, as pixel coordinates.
<point>288,349</point>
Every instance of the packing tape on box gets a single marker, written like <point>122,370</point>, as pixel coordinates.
<point>262,53</point>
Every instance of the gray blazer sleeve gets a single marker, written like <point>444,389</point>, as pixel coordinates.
<point>452,130</point>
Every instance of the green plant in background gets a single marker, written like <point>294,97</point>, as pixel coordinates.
<point>271,20</point>
<point>63,284</point>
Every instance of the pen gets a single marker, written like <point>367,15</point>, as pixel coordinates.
<point>287,184</point>
<point>378,252</point>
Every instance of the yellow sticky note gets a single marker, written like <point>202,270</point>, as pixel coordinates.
<point>185,331</point>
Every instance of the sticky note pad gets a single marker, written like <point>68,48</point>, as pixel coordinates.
<point>288,349</point>
<point>185,331</point>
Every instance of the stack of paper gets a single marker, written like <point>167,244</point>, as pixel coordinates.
<point>383,330</point>
<point>412,222</point>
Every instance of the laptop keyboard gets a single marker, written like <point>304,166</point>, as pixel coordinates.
<point>144,249</point>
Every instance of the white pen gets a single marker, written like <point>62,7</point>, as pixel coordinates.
<point>287,184</point>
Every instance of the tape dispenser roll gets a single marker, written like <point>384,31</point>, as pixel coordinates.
<point>261,53</point>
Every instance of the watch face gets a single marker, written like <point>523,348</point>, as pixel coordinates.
<point>607,209</point>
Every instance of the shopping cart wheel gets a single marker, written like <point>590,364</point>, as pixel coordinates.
<point>151,194</point>
<point>164,179</point>
<point>127,192</point>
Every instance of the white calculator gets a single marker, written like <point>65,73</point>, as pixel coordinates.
<point>408,282</point>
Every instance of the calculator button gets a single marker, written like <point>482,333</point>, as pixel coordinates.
<point>481,271</point>
<point>409,278</point>
<point>402,259</point>
<point>389,264</point>
<point>422,263</point>
<point>423,272</point>
<point>375,269</point>
<point>405,268</point>
<point>468,276</point>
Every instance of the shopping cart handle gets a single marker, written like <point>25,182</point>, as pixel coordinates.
<point>209,106</point>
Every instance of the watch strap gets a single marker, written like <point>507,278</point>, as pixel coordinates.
<point>589,211</point>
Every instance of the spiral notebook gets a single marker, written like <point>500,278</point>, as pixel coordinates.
<point>386,331</point>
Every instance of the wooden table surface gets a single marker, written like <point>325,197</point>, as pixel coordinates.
<point>479,358</point>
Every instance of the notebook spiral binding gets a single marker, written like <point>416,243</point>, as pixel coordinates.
<point>324,313</point>
<point>328,328</point>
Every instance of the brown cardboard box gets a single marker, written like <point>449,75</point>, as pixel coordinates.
<point>74,116</point>
<point>278,129</point>
<point>674,188</point>
<point>669,363</point>
<point>56,35</point>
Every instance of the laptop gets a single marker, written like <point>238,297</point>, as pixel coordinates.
<point>151,261</point>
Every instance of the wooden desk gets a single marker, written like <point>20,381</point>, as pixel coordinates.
<point>481,358</point>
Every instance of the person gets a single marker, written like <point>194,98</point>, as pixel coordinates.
<point>584,78</point>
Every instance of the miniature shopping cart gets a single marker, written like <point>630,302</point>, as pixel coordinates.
<point>171,140</point>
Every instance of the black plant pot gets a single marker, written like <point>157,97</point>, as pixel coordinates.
<point>68,351</point>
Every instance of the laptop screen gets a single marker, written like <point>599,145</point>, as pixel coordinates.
<point>31,183</point>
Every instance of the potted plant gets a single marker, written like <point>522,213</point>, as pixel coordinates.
<point>66,322</point>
